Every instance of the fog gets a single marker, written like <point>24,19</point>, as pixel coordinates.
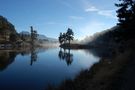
<point>98,36</point>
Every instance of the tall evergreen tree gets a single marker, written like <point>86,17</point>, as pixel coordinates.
<point>64,37</point>
<point>33,36</point>
<point>126,12</point>
<point>60,38</point>
<point>69,35</point>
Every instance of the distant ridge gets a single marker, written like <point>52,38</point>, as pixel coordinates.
<point>39,37</point>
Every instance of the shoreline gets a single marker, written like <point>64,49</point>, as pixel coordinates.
<point>105,75</point>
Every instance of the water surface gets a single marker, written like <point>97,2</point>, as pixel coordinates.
<point>35,70</point>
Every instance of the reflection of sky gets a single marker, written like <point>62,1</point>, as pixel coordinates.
<point>47,69</point>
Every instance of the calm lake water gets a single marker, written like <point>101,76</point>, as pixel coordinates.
<point>37,69</point>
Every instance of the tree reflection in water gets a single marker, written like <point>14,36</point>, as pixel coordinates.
<point>66,55</point>
<point>6,58</point>
<point>33,55</point>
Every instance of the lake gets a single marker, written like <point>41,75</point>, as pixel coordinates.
<point>36,69</point>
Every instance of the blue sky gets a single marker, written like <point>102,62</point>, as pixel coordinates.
<point>50,17</point>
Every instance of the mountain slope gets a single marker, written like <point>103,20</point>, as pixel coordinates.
<point>6,25</point>
<point>6,28</point>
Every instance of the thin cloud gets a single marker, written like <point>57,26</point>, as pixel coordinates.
<point>91,9</point>
<point>108,13</point>
<point>76,17</point>
<point>88,7</point>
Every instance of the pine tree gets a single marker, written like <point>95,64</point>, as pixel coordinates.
<point>60,38</point>
<point>126,12</point>
<point>33,35</point>
<point>69,35</point>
